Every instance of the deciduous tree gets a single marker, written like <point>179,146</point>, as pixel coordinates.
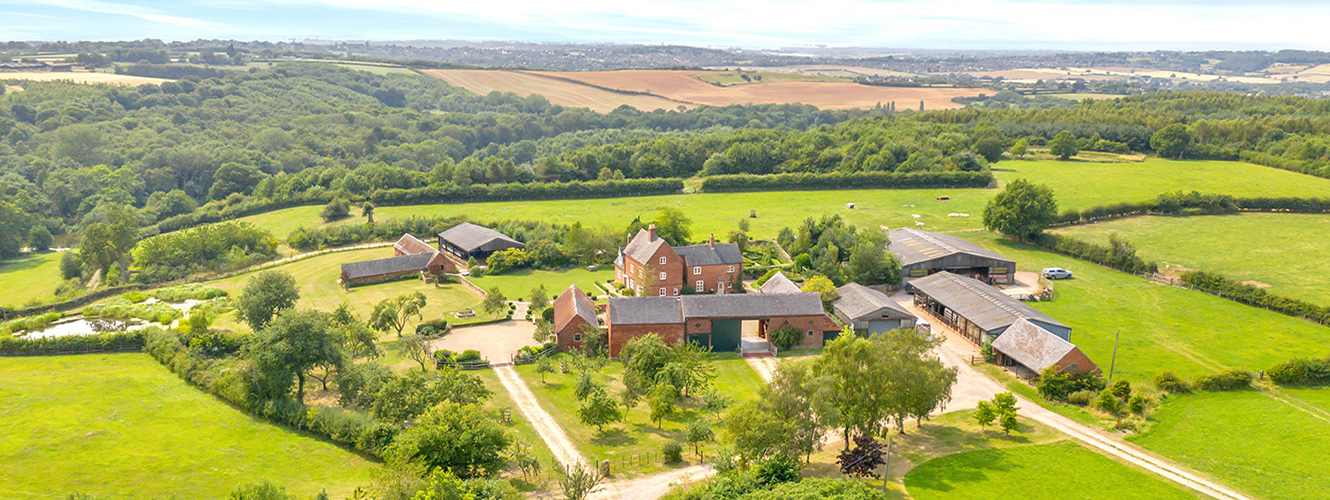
<point>265,295</point>
<point>1171,141</point>
<point>1021,210</point>
<point>294,343</point>
<point>395,313</point>
<point>1064,145</point>
<point>464,438</point>
<point>599,409</point>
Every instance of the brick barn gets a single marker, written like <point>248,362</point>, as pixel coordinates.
<point>411,256</point>
<point>1026,345</point>
<point>716,321</point>
<point>649,266</point>
<point>978,311</point>
<point>574,311</point>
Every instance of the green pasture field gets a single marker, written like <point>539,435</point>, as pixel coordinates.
<point>637,435</point>
<point>1284,251</point>
<point>317,278</point>
<point>121,426</point>
<point>31,278</point>
<point>1045,471</point>
<point>1163,327</point>
<point>518,284</point>
<point>1249,440</point>
<point>1077,97</point>
<point>1077,184</point>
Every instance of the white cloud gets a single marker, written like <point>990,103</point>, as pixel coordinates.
<point>144,13</point>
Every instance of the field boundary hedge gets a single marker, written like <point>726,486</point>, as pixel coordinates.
<point>73,303</point>
<point>1279,162</point>
<point>1194,203</point>
<point>857,180</point>
<point>71,344</point>
<point>1227,288</point>
<point>1120,257</point>
<point>1301,371</point>
<point>452,193</point>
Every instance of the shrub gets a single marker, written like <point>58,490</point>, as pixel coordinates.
<point>1170,382</point>
<point>1301,371</point>
<point>433,328</point>
<point>781,468</point>
<point>1229,380</point>
<point>1136,404</point>
<point>786,338</point>
<point>468,355</point>
<point>191,291</point>
<point>43,345</point>
<point>1122,389</point>
<point>1082,398</point>
<point>135,296</point>
<point>672,452</point>
<point>336,209</point>
<point>1056,385</point>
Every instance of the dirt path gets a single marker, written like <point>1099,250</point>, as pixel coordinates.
<point>653,486</point>
<point>540,420</point>
<point>765,367</point>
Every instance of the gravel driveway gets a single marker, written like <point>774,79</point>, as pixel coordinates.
<point>497,342</point>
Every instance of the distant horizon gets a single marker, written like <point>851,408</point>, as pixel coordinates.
<point>956,25</point>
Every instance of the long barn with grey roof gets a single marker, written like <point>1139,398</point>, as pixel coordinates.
<point>924,253</point>
<point>468,240</point>
<point>869,311</point>
<point>354,273</point>
<point>716,321</point>
<point>976,310</point>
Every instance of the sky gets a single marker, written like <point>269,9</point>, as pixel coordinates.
<point>757,24</point>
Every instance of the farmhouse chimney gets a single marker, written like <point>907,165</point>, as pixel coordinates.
<point>651,232</point>
<point>712,240</point>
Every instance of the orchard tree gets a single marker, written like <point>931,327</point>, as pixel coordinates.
<point>1022,210</point>
<point>1064,145</point>
<point>662,403</point>
<point>494,302</point>
<point>699,433</point>
<point>1171,141</point>
<point>540,299</point>
<point>264,296</point>
<point>465,438</point>
<point>599,409</point>
<point>393,314</point>
<point>416,348</point>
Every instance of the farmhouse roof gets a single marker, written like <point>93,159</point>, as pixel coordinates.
<point>977,302</point>
<point>915,246</point>
<point>750,305</point>
<point>644,310</point>
<point>708,255</point>
<point>857,301</point>
<point>573,303</point>
<point>1032,346</point>
<point>470,238</point>
<point>390,265</point>
<point>778,283</point>
<point>643,245</point>
<point>410,245</point>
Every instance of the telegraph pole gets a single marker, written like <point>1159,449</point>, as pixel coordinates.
<point>1113,364</point>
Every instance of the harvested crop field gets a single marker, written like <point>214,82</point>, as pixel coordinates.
<point>561,92</point>
<point>685,86</point>
<point>81,77</point>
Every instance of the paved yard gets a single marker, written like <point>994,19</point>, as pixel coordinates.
<point>497,342</point>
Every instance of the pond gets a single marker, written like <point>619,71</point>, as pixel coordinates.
<point>79,325</point>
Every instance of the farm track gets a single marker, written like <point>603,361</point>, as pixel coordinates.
<point>544,424</point>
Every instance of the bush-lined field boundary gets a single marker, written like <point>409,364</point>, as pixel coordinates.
<point>857,180</point>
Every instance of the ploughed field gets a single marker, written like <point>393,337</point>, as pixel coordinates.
<point>648,90</point>
<point>120,426</point>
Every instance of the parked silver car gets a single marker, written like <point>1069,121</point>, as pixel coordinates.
<point>1055,273</point>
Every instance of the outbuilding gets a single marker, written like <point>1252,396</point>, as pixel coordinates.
<point>716,321</point>
<point>1027,345</point>
<point>978,311</point>
<point>574,313</point>
<point>468,240</point>
<point>869,311</point>
<point>779,283</point>
<point>923,253</point>
<point>356,273</point>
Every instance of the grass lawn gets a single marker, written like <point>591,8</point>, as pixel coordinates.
<point>637,435</point>
<point>1077,184</point>
<point>518,284</point>
<point>319,289</point>
<point>28,279</point>
<point>122,426</point>
<point>1249,440</point>
<point>1051,471</point>
<point>1163,328</point>
<point>1266,248</point>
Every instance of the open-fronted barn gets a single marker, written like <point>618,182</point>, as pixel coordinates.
<point>468,240</point>
<point>976,310</point>
<point>924,253</point>
<point>869,311</point>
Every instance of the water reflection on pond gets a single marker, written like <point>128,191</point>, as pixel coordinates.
<point>85,326</point>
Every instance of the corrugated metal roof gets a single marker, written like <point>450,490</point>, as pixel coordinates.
<point>390,265</point>
<point>470,238</point>
<point>779,283</point>
<point>1032,346</point>
<point>915,246</point>
<point>977,302</point>
<point>750,305</point>
<point>644,310</point>
<point>410,245</point>
<point>707,255</point>
<point>857,301</point>
<point>573,303</point>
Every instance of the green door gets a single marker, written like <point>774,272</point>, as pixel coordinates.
<point>725,334</point>
<point>701,339</point>
<point>829,336</point>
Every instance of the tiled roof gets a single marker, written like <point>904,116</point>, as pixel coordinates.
<point>644,310</point>
<point>857,301</point>
<point>914,246</point>
<point>1032,346</point>
<point>573,303</point>
<point>749,305</point>
<point>778,283</point>
<point>410,245</point>
<point>707,255</point>
<point>977,302</point>
<point>642,247</point>
<point>470,237</point>
<point>390,265</point>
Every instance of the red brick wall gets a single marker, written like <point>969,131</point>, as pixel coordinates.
<point>672,334</point>
<point>673,272</point>
<point>565,336</point>
<point>818,324</point>
<point>712,274</point>
<point>1083,364</point>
